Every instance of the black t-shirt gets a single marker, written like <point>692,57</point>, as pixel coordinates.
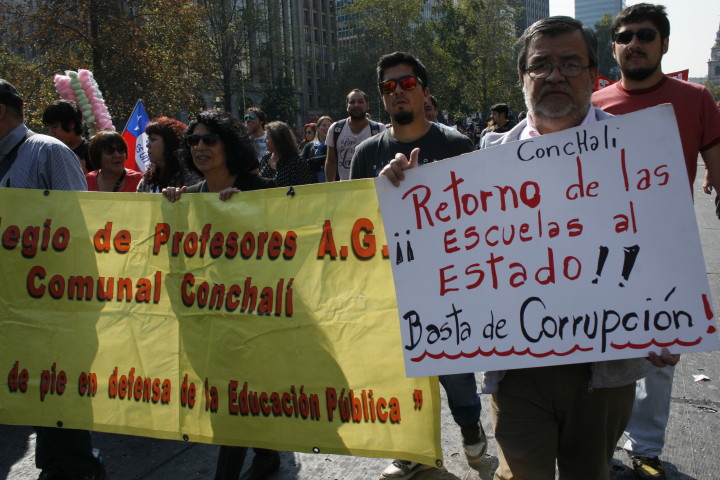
<point>244,182</point>
<point>82,153</point>
<point>437,144</point>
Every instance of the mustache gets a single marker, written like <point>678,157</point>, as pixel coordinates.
<point>627,57</point>
<point>547,89</point>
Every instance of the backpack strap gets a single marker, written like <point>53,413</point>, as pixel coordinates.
<point>336,131</point>
<point>374,128</point>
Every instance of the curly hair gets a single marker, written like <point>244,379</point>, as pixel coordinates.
<point>239,150</point>
<point>172,133</point>
<point>283,139</point>
<point>101,141</point>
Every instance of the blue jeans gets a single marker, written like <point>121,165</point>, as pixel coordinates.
<point>651,411</point>
<point>463,398</point>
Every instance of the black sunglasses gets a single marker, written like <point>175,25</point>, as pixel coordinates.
<point>110,150</point>
<point>644,35</point>
<point>407,83</point>
<point>209,139</point>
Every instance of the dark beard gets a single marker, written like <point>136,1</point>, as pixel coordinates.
<point>404,117</point>
<point>639,73</point>
<point>359,116</point>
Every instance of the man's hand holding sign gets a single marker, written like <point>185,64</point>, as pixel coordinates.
<point>564,248</point>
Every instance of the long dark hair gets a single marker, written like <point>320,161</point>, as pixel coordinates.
<point>172,132</point>
<point>239,150</point>
<point>283,139</point>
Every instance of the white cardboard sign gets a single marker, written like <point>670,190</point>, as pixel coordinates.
<point>578,246</point>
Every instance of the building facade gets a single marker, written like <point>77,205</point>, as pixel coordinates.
<point>714,62</point>
<point>532,11</point>
<point>316,40</point>
<point>590,12</point>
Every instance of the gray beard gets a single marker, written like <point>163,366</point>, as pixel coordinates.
<point>404,117</point>
<point>571,112</point>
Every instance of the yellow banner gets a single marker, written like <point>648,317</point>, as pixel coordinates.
<point>268,320</point>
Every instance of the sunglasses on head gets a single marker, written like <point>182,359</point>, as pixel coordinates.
<point>209,139</point>
<point>644,35</point>
<point>110,150</point>
<point>250,116</point>
<point>407,83</point>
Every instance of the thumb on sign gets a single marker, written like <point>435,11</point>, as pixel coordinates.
<point>394,170</point>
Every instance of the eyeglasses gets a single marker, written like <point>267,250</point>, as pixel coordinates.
<point>567,69</point>
<point>644,35</point>
<point>110,150</point>
<point>407,83</point>
<point>250,116</point>
<point>209,139</point>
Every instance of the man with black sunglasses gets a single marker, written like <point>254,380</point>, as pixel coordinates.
<point>640,39</point>
<point>403,82</point>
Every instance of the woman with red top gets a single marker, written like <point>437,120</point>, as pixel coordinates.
<point>108,150</point>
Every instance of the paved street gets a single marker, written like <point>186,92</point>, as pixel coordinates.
<point>691,452</point>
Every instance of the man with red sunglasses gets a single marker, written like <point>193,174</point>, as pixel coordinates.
<point>640,39</point>
<point>403,82</point>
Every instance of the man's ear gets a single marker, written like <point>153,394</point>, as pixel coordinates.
<point>665,45</point>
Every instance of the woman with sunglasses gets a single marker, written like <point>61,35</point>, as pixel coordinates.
<point>165,136</point>
<point>219,146</point>
<point>108,150</point>
<point>282,161</point>
<point>315,152</point>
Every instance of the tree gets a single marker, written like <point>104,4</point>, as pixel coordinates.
<point>228,33</point>
<point>382,27</point>
<point>469,53</point>
<point>32,85</point>
<point>714,89</point>
<point>607,65</point>
<point>135,48</point>
<point>279,100</point>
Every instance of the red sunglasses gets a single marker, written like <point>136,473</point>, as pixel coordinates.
<point>407,83</point>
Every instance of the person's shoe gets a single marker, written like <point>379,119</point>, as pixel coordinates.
<point>265,463</point>
<point>474,443</point>
<point>648,468</point>
<point>402,470</point>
